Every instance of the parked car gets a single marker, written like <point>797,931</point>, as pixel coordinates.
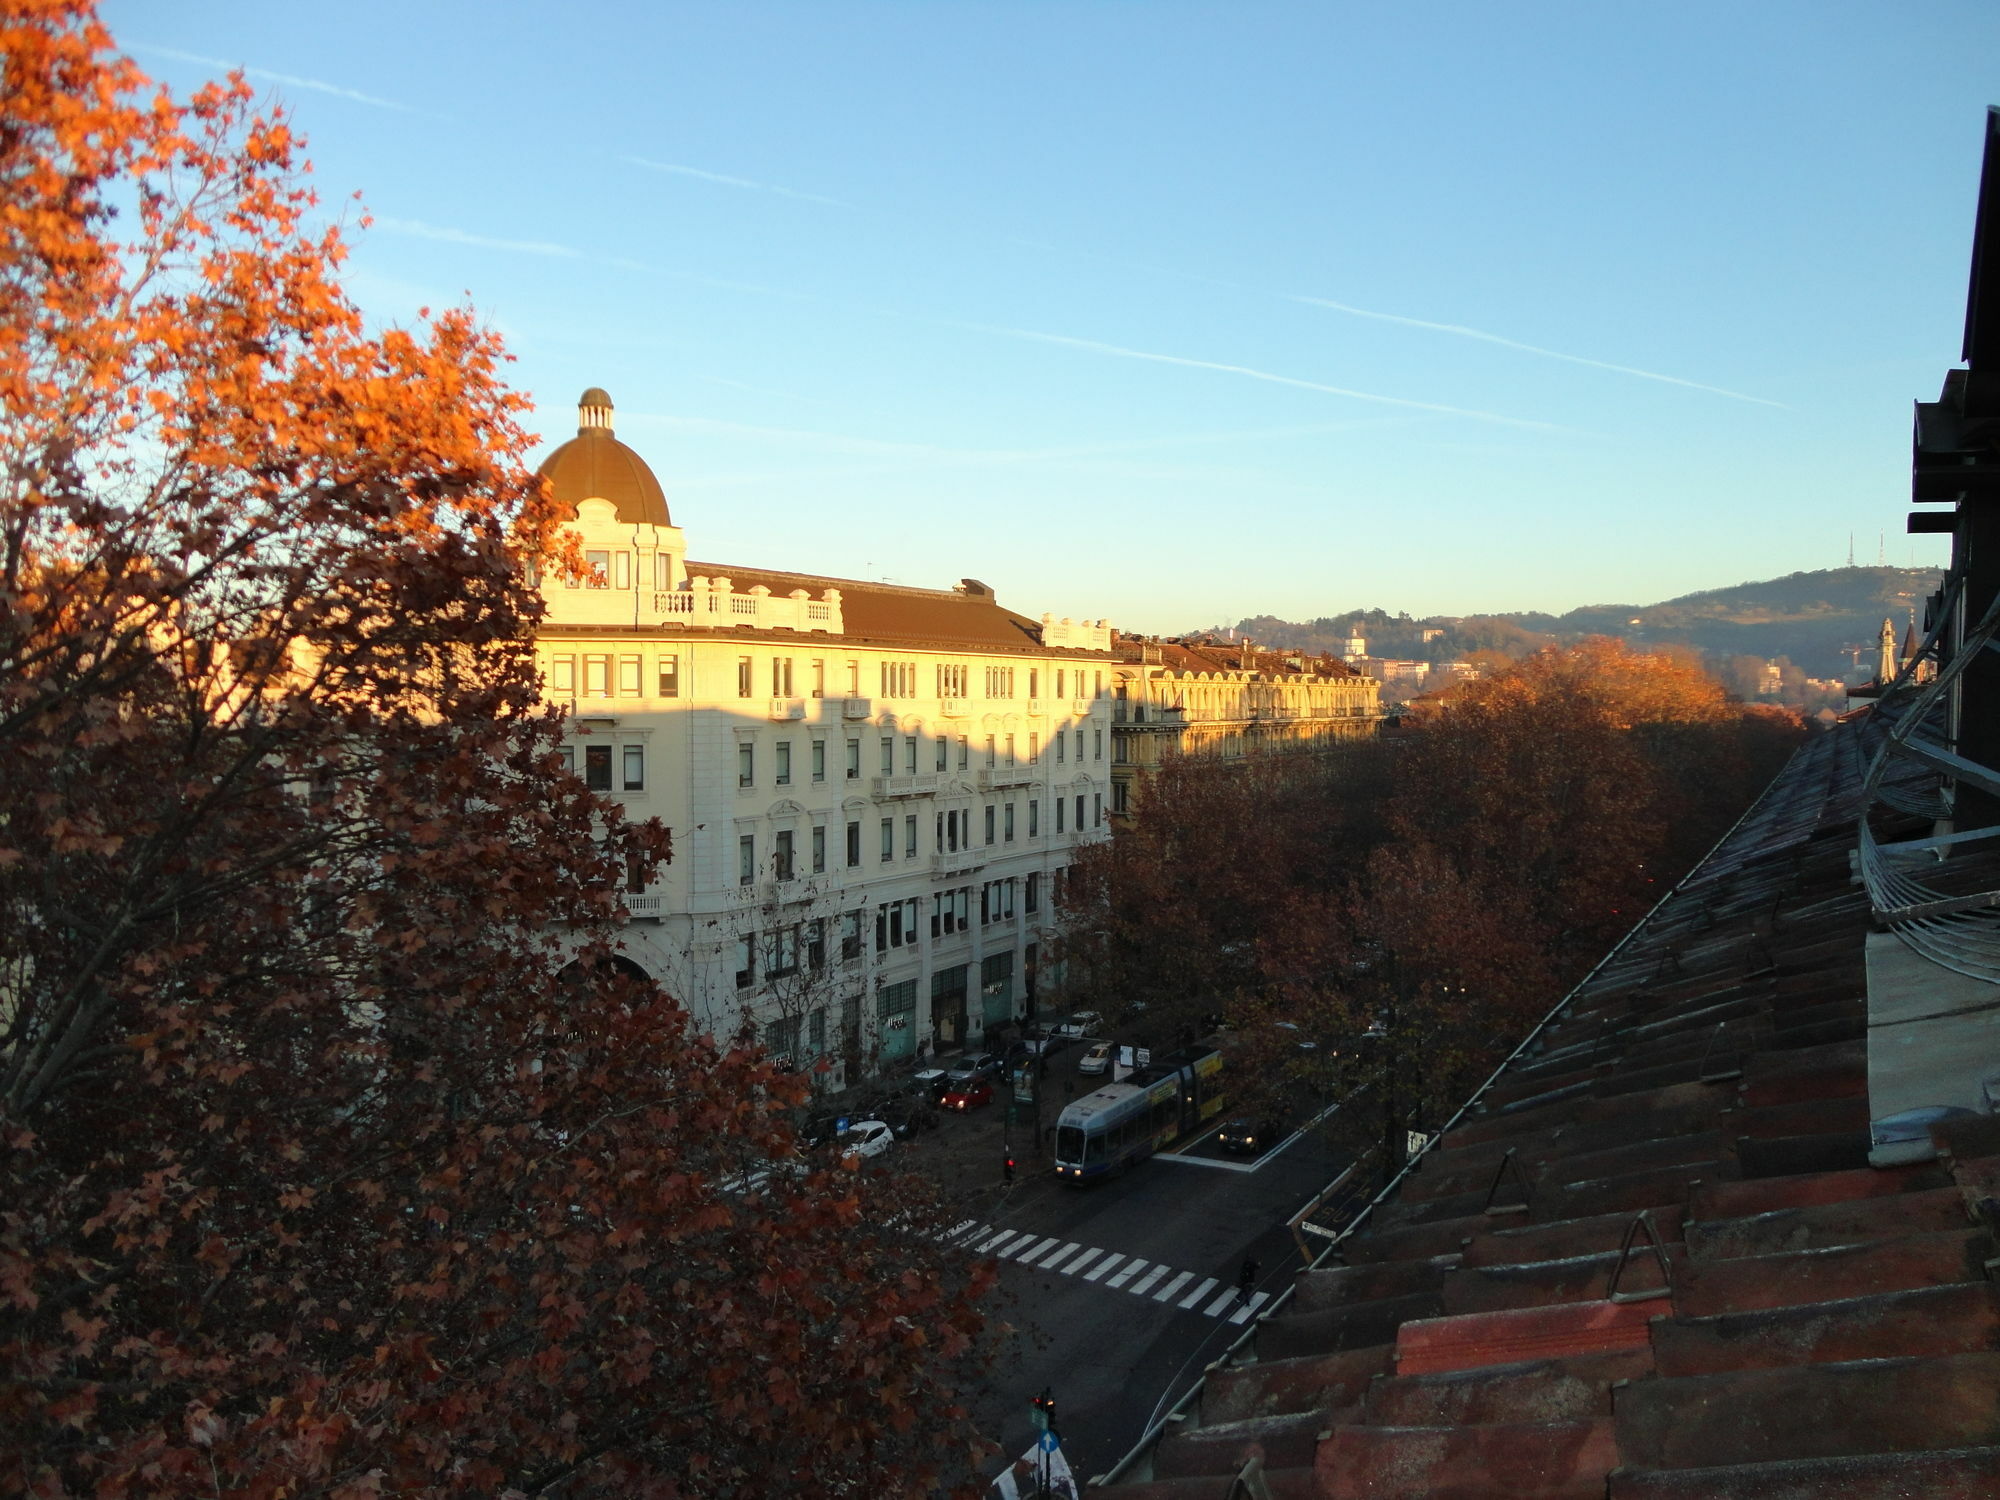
<point>931,1083</point>
<point>910,1114</point>
<point>974,1065</point>
<point>866,1138</point>
<point>969,1094</point>
<point>1083,1023</point>
<point>1250,1135</point>
<point>1097,1059</point>
<point>819,1129</point>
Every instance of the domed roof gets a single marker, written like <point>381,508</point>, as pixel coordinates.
<point>595,465</point>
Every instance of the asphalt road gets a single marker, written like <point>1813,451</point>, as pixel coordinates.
<point>1119,1293</point>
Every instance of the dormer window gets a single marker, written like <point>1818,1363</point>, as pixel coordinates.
<point>597,569</point>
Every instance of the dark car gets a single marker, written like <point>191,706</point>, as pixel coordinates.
<point>908,1115</point>
<point>1250,1135</point>
<point>930,1083</point>
<point>974,1065</point>
<point>969,1094</point>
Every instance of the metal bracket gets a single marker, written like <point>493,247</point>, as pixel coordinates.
<point>1520,1173</point>
<point>1666,1288</point>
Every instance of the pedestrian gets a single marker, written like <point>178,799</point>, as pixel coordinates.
<point>1007,1166</point>
<point>1246,1279</point>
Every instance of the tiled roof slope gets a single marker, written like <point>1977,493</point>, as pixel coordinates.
<point>1825,1328</point>
<point>893,614</point>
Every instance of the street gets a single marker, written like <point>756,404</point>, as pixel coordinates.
<point>1119,1293</point>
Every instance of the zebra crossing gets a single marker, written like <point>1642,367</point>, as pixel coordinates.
<point>1186,1291</point>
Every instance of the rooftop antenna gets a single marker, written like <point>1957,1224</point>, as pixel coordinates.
<point>1881,549</point>
<point>1850,549</point>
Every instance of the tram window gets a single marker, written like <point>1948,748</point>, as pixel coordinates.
<point>1094,1148</point>
<point>1069,1143</point>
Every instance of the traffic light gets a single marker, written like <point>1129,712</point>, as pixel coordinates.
<point>1044,1413</point>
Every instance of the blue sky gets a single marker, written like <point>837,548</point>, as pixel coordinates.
<point>1175,313</point>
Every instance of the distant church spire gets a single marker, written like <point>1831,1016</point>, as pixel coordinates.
<point>1885,666</point>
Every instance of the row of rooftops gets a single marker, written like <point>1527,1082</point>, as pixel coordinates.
<point>1205,655</point>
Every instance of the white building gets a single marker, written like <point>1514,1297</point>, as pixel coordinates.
<point>872,789</point>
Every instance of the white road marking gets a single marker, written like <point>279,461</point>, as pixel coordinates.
<point>1103,1267</point>
<point>963,1229</point>
<point>1250,1307</point>
<point>1198,1293</point>
<point>1214,1309</point>
<point>1002,1237</point>
<point>1080,1262</point>
<point>1049,1261</point>
<point>1173,1286</point>
<point>1037,1250</point>
<point>1127,1274</point>
<point>1140,1287</point>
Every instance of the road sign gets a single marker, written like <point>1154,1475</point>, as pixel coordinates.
<point>840,1126</point>
<point>1049,1442</point>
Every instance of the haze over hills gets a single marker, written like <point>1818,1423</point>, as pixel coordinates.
<point>1815,620</point>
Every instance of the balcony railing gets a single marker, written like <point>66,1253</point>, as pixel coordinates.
<point>917,784</point>
<point>856,708</point>
<point>958,862</point>
<point>788,708</point>
<point>999,776</point>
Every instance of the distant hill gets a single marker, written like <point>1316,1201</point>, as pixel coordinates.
<point>1812,619</point>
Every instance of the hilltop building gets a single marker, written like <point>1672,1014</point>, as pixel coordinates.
<point>871,788</point>
<point>1226,700</point>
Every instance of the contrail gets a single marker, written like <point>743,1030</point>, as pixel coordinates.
<point>727,181</point>
<point>289,80</point>
<point>417,229</point>
<point>1253,374</point>
<point>1506,343</point>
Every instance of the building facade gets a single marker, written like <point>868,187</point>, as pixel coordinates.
<point>873,790</point>
<point>1226,700</point>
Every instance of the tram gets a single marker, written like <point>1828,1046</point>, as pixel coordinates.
<point>1112,1127</point>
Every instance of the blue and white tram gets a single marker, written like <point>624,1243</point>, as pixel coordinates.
<point>1110,1128</point>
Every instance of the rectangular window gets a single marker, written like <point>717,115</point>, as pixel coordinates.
<point>850,921</point>
<point>1059,682</point>
<point>781,677</point>
<point>854,679</point>
<point>910,836</point>
<point>992,751</point>
<point>818,677</point>
<point>819,851</point>
<point>1010,749</point>
<point>944,752</point>
<point>1097,684</point>
<point>816,1028</point>
<point>746,859</point>
<point>1007,823</point>
<point>783,775</point>
<point>635,768</point>
<point>1031,899</point>
<point>899,679</point>
<point>663,571</point>
<point>964,751</point>
<point>746,950</point>
<point>1061,740</point>
<point>888,755</point>
<point>1079,812</point>
<point>951,682</point>
<point>1060,805</point>
<point>1118,795</point>
<point>999,682</point>
<point>622,569</point>
<point>889,838</point>
<point>670,675</point>
<point>597,767</point>
<point>1097,736</point>
<point>743,683</point>
<point>631,674</point>
<point>562,676</point>
<point>819,760</point>
<point>854,760</point>
<point>1034,817</point>
<point>1034,682</point>
<point>853,844</point>
<point>910,755</point>
<point>781,952</point>
<point>1097,809</point>
<point>816,944</point>
<point>597,569</point>
<point>597,677</point>
<point>989,824</point>
<point>1034,748</point>
<point>781,854</point>
<point>1079,747</point>
<point>746,764</point>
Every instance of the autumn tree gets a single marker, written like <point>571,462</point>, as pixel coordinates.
<point>339,1154</point>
